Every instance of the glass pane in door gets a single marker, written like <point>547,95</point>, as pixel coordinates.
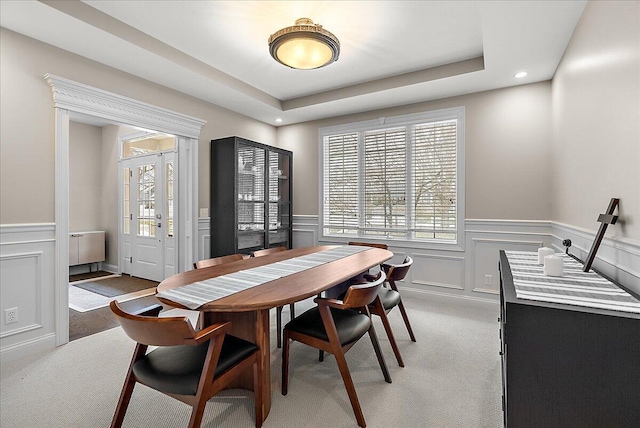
<point>146,200</point>
<point>169,198</point>
<point>125,196</point>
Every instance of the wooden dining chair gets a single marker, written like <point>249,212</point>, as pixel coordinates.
<point>292,311</point>
<point>267,251</point>
<point>188,365</point>
<point>217,261</point>
<point>370,244</point>
<point>334,326</point>
<point>388,298</point>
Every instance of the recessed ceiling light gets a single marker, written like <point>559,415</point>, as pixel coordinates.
<point>278,120</point>
<point>521,74</point>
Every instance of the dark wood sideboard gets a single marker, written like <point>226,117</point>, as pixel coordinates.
<point>567,366</point>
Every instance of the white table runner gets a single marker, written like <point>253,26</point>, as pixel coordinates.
<point>197,294</point>
<point>574,288</point>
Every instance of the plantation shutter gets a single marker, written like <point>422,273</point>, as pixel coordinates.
<point>434,180</point>
<point>385,182</point>
<point>341,184</point>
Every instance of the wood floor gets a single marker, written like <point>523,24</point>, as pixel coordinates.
<point>82,324</point>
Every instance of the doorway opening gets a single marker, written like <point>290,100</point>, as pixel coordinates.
<point>73,98</point>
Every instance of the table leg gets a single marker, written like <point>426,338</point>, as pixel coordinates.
<point>254,327</point>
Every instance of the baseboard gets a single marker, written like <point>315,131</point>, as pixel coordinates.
<point>29,347</point>
<point>109,268</point>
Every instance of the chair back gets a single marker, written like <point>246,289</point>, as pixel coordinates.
<point>361,295</point>
<point>217,261</point>
<point>370,244</point>
<point>155,331</point>
<point>266,251</point>
<point>398,272</point>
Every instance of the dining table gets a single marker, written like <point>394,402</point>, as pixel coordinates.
<point>248,310</point>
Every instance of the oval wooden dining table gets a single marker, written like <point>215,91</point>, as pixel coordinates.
<point>248,310</point>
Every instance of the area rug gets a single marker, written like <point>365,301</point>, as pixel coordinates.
<point>89,295</point>
<point>83,301</point>
<point>116,286</point>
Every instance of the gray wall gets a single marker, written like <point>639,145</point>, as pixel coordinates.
<point>85,185</point>
<point>596,116</point>
<point>27,122</point>
<point>508,143</point>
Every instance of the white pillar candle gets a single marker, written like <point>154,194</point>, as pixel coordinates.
<point>542,253</point>
<point>552,266</point>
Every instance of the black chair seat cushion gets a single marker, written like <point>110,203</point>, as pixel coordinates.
<point>351,325</point>
<point>389,298</point>
<point>177,369</point>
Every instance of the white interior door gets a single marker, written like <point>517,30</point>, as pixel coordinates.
<point>148,238</point>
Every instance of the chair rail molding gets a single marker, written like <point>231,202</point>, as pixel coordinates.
<point>463,276</point>
<point>617,257</point>
<point>71,97</point>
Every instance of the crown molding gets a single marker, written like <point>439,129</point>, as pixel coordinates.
<point>78,97</point>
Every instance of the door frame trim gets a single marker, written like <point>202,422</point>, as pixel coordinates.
<point>70,96</point>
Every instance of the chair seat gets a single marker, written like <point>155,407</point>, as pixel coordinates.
<point>351,325</point>
<point>177,369</point>
<point>389,298</point>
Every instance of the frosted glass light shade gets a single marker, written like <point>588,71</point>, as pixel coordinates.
<point>304,46</point>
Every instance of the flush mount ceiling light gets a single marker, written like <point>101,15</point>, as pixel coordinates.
<point>521,74</point>
<point>304,46</point>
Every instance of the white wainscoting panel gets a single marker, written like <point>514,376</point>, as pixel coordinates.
<point>305,231</point>
<point>22,288</point>
<point>437,271</point>
<point>204,238</point>
<point>484,261</point>
<point>463,275</point>
<point>27,273</point>
<point>618,258</point>
<point>485,239</point>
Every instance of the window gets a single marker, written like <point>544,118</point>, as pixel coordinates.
<point>147,144</point>
<point>395,178</point>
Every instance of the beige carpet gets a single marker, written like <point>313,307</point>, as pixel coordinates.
<point>451,379</point>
